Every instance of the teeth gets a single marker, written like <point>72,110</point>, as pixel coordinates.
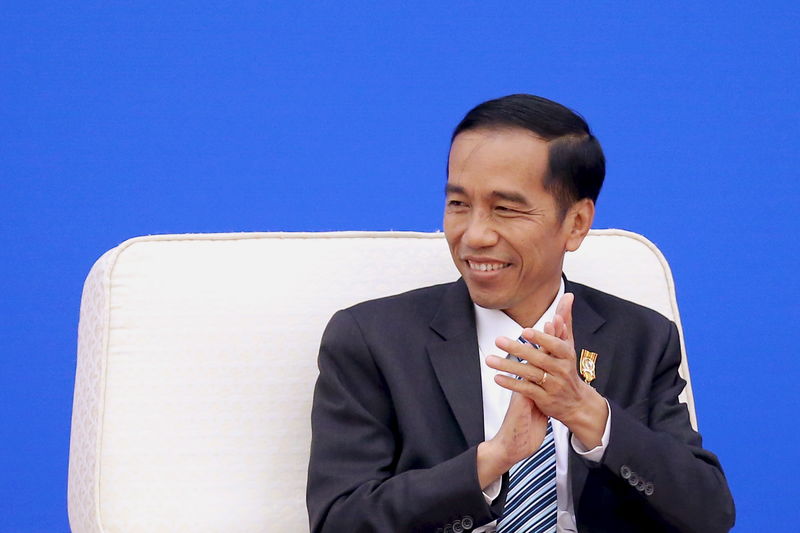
<point>486,267</point>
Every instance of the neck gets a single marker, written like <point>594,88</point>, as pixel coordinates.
<point>529,312</point>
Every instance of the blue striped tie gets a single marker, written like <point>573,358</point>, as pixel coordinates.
<point>531,504</point>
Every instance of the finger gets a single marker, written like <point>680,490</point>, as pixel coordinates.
<point>548,353</point>
<point>526,388</point>
<point>541,361</point>
<point>550,328</point>
<point>559,327</point>
<point>502,364</point>
<point>552,345</point>
<point>564,310</point>
<point>528,334</point>
<point>527,372</point>
<point>530,372</point>
<point>514,347</point>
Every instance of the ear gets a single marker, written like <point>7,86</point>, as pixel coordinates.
<point>578,222</point>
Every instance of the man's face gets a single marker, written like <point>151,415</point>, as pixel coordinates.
<point>504,229</point>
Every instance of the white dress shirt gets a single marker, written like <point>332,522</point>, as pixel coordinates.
<point>492,323</point>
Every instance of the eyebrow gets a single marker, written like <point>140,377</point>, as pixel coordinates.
<point>514,197</point>
<point>453,189</point>
<point>508,196</point>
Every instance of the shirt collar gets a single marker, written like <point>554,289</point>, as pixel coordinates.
<point>493,323</point>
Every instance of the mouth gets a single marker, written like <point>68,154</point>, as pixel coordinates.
<point>486,266</point>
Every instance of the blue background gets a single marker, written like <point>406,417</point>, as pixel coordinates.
<point>120,119</point>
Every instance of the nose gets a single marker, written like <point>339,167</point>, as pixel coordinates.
<point>479,233</point>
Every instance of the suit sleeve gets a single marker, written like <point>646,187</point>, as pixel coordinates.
<point>660,459</point>
<point>352,483</point>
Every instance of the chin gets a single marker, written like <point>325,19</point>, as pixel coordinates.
<point>487,301</point>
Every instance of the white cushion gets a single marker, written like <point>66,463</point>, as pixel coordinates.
<point>197,360</point>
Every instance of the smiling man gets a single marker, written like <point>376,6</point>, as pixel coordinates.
<point>459,407</point>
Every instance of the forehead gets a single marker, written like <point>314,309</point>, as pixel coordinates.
<point>512,158</point>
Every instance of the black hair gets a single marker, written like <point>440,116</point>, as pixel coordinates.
<point>576,163</point>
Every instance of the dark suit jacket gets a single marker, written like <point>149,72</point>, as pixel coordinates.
<point>398,416</point>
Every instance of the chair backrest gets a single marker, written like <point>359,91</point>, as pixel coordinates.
<point>197,359</point>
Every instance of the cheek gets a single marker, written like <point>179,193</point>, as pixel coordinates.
<point>522,242</point>
<point>538,258</point>
<point>452,231</point>
<point>452,242</point>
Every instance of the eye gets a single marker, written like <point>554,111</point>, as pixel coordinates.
<point>456,203</point>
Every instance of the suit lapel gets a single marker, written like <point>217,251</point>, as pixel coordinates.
<point>586,323</point>
<point>455,361</point>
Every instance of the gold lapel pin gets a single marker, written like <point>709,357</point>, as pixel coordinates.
<point>587,365</point>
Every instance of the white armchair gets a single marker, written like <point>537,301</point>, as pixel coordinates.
<point>197,360</point>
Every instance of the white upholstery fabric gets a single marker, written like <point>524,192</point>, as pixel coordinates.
<point>197,359</point>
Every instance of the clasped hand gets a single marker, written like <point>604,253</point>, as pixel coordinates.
<point>549,376</point>
<point>549,387</point>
